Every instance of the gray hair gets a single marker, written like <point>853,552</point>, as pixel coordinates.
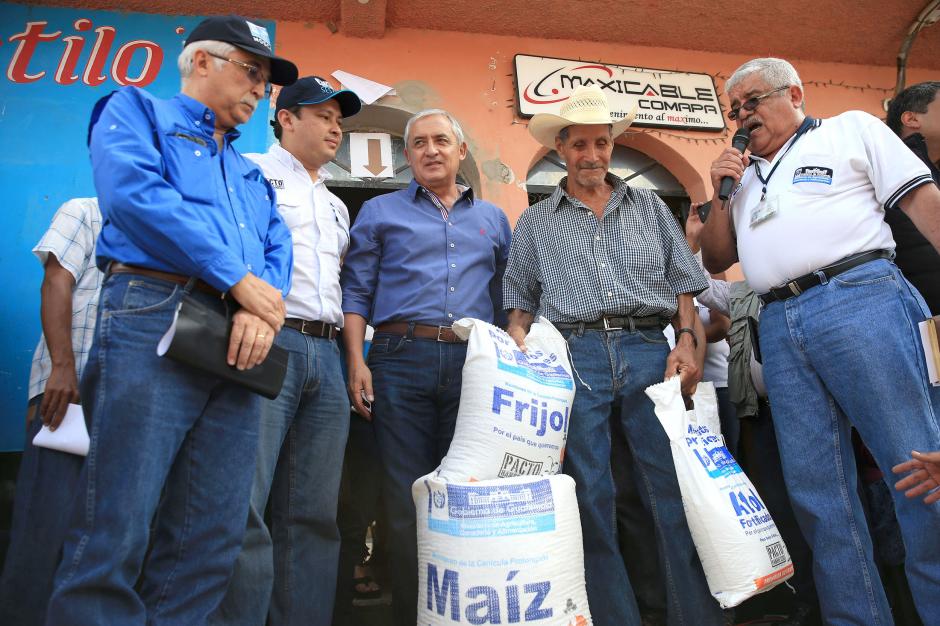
<point>185,60</point>
<point>454,124</point>
<point>775,72</point>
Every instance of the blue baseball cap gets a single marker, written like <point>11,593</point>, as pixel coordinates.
<point>314,90</point>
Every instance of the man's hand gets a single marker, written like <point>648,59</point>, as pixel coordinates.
<point>250,341</point>
<point>519,324</point>
<point>258,297</point>
<point>693,227</point>
<point>731,162</point>
<point>360,387</point>
<point>61,390</point>
<point>682,361</point>
<point>924,468</point>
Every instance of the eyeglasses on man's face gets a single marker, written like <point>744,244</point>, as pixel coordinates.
<point>255,73</point>
<point>752,103</point>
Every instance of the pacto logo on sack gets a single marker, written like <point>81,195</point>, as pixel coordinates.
<point>517,466</point>
<point>777,554</point>
<point>535,365</point>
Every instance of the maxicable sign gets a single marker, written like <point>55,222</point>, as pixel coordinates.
<point>663,98</point>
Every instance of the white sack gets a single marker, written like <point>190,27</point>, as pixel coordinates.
<point>738,543</point>
<point>505,551</point>
<point>514,406</point>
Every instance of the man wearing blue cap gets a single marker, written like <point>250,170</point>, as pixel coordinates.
<point>159,512</point>
<point>287,575</point>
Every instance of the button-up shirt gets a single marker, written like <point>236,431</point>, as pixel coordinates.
<point>319,225</point>
<point>568,266</point>
<point>71,240</point>
<point>173,201</point>
<point>406,262</point>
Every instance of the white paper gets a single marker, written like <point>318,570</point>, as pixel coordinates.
<point>167,337</point>
<point>932,375</point>
<point>370,155</point>
<point>368,90</point>
<point>71,436</point>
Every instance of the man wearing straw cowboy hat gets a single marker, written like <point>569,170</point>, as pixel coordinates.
<point>609,266</point>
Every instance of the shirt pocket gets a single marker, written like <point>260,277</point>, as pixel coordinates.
<point>257,199</point>
<point>813,176</point>
<point>190,166</point>
<point>294,210</point>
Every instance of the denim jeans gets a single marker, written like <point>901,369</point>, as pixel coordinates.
<point>286,575</point>
<point>171,447</point>
<point>617,367</point>
<point>848,353</point>
<point>417,392</point>
<point>45,489</point>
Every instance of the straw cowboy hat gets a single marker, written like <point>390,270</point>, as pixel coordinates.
<point>587,105</point>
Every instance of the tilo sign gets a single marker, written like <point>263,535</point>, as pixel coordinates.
<point>663,98</point>
<point>101,39</point>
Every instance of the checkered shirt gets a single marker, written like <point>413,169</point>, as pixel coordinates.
<point>71,238</point>
<point>566,265</point>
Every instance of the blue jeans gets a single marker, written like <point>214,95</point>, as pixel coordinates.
<point>172,448</point>
<point>618,366</point>
<point>303,433</point>
<point>45,489</point>
<point>848,353</point>
<point>417,392</point>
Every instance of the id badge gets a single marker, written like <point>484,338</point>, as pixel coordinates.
<point>764,210</point>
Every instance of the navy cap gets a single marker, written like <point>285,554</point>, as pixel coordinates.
<point>249,37</point>
<point>314,90</point>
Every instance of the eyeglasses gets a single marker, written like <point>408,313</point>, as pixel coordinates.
<point>254,72</point>
<point>751,103</point>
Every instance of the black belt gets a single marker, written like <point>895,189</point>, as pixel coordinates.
<point>798,285</point>
<point>314,329</point>
<point>610,322</point>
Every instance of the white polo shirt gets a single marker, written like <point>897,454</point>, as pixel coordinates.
<point>319,226</point>
<point>827,199</point>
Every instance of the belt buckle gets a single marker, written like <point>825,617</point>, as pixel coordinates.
<point>794,288</point>
<point>303,327</point>
<point>607,325</point>
<point>440,329</point>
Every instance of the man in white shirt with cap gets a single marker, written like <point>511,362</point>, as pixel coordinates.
<point>287,574</point>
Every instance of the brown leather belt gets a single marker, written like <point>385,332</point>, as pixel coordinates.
<point>422,331</point>
<point>121,268</point>
<point>314,329</point>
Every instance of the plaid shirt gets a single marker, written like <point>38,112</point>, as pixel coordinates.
<point>566,265</point>
<point>71,238</point>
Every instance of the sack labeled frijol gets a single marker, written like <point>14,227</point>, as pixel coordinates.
<point>514,406</point>
<point>737,541</point>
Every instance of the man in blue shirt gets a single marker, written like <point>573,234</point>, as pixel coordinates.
<point>172,447</point>
<point>420,259</point>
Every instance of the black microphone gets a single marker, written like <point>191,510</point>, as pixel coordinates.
<point>739,141</point>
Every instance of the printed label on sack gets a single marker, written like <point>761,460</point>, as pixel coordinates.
<point>711,452</point>
<point>515,601</point>
<point>541,367</point>
<point>492,511</point>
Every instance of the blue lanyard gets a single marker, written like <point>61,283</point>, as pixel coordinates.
<point>808,123</point>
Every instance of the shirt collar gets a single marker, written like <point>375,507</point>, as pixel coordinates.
<point>289,161</point>
<point>202,116</point>
<point>561,192</point>
<point>465,192</point>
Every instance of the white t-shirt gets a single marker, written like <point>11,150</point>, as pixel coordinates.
<point>826,199</point>
<point>319,226</point>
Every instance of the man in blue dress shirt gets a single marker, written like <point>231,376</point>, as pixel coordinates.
<point>419,259</point>
<point>172,447</point>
